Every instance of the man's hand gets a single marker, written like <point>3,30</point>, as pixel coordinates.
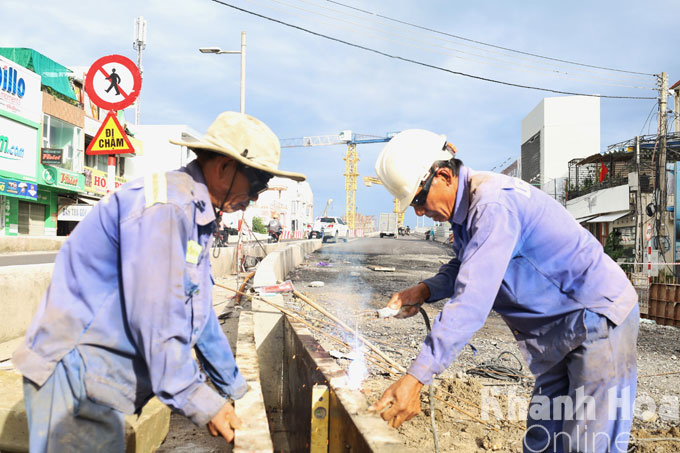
<point>404,397</point>
<point>410,299</point>
<point>224,423</point>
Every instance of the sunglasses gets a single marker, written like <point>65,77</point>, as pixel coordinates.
<point>257,179</point>
<point>421,197</point>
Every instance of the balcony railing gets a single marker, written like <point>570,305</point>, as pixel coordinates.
<point>586,187</point>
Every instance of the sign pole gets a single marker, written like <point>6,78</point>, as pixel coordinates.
<point>111,177</point>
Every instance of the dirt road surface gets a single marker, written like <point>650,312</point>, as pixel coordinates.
<point>498,407</point>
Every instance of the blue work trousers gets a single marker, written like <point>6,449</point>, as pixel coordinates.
<point>61,418</point>
<point>585,402</point>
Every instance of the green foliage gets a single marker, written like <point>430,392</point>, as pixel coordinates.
<point>612,246</point>
<point>258,226</point>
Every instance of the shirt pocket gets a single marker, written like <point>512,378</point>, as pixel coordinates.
<point>192,281</point>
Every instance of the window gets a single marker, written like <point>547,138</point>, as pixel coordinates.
<point>62,135</point>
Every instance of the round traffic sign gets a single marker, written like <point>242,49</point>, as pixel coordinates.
<point>113,82</point>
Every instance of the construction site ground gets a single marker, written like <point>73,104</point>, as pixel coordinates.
<point>342,278</point>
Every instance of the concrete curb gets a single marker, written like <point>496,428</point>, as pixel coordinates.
<point>255,437</point>
<point>255,328</point>
<point>22,289</point>
<point>11,244</point>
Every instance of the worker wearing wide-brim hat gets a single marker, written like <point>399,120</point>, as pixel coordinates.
<point>130,297</point>
<point>519,252</point>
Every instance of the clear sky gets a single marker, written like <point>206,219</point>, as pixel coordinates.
<point>302,85</point>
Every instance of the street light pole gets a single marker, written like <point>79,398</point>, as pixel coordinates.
<point>218,51</point>
<point>243,72</point>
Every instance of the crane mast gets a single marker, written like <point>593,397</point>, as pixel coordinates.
<point>351,160</point>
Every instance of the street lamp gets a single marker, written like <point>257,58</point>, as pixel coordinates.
<point>217,50</point>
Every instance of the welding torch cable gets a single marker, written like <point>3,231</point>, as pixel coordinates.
<point>432,396</point>
<point>433,421</point>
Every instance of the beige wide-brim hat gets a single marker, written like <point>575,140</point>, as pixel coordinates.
<point>245,139</point>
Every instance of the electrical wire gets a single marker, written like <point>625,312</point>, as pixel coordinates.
<point>428,47</point>
<point>487,44</point>
<point>649,117</point>
<point>420,63</point>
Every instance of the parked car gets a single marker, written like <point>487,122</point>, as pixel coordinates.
<point>330,228</point>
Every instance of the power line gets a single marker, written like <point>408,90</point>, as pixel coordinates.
<point>428,47</point>
<point>626,77</point>
<point>409,60</point>
<point>487,44</point>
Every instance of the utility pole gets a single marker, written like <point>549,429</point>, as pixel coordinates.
<point>139,44</point>
<point>640,237</point>
<point>661,183</point>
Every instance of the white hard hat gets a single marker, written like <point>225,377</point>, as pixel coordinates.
<point>406,160</point>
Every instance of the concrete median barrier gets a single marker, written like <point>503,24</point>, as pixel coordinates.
<point>18,244</point>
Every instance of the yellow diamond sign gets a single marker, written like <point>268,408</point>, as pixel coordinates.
<point>110,138</point>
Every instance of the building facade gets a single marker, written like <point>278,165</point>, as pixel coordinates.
<point>23,208</point>
<point>556,131</point>
<point>47,183</point>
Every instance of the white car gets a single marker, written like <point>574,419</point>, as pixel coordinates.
<point>330,228</point>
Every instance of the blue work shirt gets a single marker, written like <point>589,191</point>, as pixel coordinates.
<point>521,253</point>
<point>131,290</point>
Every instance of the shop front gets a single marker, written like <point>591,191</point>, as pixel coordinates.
<point>22,209</point>
<point>63,187</point>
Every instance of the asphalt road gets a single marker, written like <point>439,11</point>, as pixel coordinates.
<point>19,259</point>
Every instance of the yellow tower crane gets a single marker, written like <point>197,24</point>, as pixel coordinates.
<point>351,160</point>
<point>369,181</point>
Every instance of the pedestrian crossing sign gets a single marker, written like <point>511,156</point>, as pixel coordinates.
<point>110,139</point>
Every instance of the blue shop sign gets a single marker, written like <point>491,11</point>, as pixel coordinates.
<point>16,188</point>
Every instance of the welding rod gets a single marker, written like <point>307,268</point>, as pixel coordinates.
<point>297,318</point>
<point>350,330</point>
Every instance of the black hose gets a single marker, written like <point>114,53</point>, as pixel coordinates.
<point>496,370</point>
<point>432,419</point>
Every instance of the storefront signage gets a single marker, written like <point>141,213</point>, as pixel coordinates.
<point>18,145</point>
<point>74,212</point>
<point>20,91</point>
<point>15,188</point>
<point>51,156</point>
<point>96,181</point>
<point>64,179</point>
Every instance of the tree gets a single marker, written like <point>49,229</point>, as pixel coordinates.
<point>258,226</point>
<point>612,245</point>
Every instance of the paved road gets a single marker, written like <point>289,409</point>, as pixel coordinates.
<point>18,259</point>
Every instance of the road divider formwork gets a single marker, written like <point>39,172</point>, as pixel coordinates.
<point>309,403</point>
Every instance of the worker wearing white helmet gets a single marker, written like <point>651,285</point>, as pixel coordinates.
<point>519,252</point>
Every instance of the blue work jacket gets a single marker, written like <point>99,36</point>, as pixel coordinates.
<point>519,252</point>
<point>131,290</point>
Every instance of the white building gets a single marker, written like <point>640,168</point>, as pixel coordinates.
<point>158,153</point>
<point>292,201</point>
<point>556,131</point>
